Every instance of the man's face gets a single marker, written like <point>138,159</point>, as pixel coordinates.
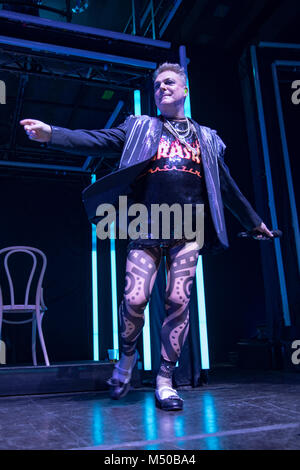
<point>169,91</point>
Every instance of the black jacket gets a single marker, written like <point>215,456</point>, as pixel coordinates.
<point>138,139</point>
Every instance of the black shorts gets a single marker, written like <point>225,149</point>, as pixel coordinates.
<point>141,244</point>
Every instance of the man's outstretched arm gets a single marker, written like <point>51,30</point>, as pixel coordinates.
<point>236,202</point>
<point>82,141</point>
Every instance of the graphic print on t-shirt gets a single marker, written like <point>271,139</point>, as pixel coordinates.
<point>174,156</point>
<point>175,173</point>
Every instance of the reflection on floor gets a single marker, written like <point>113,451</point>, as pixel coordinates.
<point>235,410</point>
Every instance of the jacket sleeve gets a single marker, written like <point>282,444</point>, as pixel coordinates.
<point>232,197</point>
<point>88,142</point>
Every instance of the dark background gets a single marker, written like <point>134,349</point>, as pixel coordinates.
<point>43,208</point>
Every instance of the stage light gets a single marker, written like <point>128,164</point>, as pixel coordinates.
<point>95,290</point>
<point>146,329</point>
<point>137,102</point>
<point>114,291</point>
<point>202,315</point>
<point>199,275</point>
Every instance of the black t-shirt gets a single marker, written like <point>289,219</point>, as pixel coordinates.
<point>174,174</point>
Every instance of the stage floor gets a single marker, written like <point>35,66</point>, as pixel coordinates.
<point>237,409</point>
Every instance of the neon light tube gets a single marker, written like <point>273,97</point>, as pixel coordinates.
<point>199,277</point>
<point>95,290</point>
<point>146,329</point>
<point>137,102</point>
<point>202,315</point>
<point>114,297</point>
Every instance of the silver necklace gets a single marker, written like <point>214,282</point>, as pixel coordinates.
<point>181,132</point>
<point>181,137</point>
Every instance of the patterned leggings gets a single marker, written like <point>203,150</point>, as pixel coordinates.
<point>141,269</point>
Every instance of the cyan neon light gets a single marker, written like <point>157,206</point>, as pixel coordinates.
<point>137,102</point>
<point>187,103</point>
<point>202,315</point>
<point>266,155</point>
<point>95,290</point>
<point>200,284</point>
<point>146,329</point>
<point>114,291</point>
<point>147,341</point>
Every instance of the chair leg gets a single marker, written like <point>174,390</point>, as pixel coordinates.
<point>1,345</point>
<point>41,336</point>
<point>1,318</point>
<point>33,344</point>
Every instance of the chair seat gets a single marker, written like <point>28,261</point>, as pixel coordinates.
<point>21,308</point>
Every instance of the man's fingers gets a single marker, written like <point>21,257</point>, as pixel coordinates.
<point>32,127</point>
<point>29,122</point>
<point>264,229</point>
<point>267,231</point>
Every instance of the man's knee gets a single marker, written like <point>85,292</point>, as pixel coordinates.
<point>135,301</point>
<point>178,296</point>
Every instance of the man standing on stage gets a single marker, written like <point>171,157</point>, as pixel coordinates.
<point>170,159</point>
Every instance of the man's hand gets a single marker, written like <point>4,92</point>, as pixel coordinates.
<point>37,130</point>
<point>264,230</point>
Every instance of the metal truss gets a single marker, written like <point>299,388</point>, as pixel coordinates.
<point>34,6</point>
<point>151,17</point>
<point>26,60</point>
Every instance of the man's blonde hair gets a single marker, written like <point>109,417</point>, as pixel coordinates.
<point>169,66</point>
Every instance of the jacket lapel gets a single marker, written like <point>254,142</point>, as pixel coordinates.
<point>142,140</point>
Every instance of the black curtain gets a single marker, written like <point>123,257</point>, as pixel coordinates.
<point>276,328</point>
<point>47,213</point>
